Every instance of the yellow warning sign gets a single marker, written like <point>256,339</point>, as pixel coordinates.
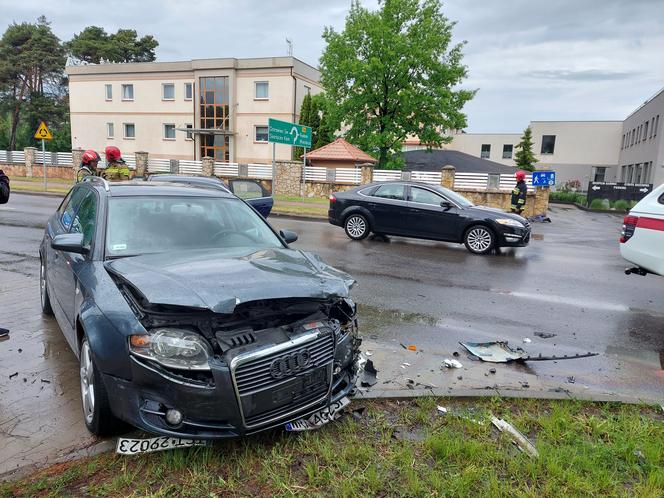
<point>43,133</point>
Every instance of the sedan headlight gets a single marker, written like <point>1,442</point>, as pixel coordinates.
<point>510,222</point>
<point>172,348</point>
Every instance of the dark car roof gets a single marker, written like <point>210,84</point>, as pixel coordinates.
<point>134,188</point>
<point>434,160</point>
<point>208,180</point>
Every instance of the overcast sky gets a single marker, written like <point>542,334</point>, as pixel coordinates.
<point>530,59</point>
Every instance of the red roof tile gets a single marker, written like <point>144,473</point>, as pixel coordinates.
<point>340,150</point>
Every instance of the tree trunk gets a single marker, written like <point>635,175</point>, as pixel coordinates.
<point>382,158</point>
<point>15,116</point>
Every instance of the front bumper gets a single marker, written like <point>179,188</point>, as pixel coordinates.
<point>215,411</point>
<point>514,236</point>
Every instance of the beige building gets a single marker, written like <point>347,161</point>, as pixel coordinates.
<point>188,110</point>
<point>642,145</point>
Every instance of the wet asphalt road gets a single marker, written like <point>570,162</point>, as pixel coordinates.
<point>568,282</point>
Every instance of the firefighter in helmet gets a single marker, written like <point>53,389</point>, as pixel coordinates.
<point>519,193</point>
<point>90,160</point>
<point>116,167</point>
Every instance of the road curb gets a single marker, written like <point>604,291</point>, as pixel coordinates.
<point>300,217</point>
<point>37,192</point>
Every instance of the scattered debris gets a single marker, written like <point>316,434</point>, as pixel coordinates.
<point>540,218</point>
<point>500,352</point>
<point>358,413</point>
<point>492,370</point>
<point>403,345</point>
<point>524,384</point>
<point>4,334</point>
<point>642,458</point>
<point>368,353</point>
<point>13,375</point>
<point>368,377</point>
<point>405,364</point>
<point>20,350</point>
<point>441,409</point>
<point>45,381</point>
<point>527,340</point>
<point>452,363</point>
<point>520,440</point>
<point>571,379</point>
<point>455,354</point>
<point>411,347</point>
<point>459,377</point>
<point>545,335</point>
<point>369,367</point>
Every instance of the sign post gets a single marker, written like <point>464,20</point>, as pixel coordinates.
<point>43,133</point>
<point>293,134</point>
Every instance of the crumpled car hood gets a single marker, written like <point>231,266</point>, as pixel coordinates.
<point>212,280</point>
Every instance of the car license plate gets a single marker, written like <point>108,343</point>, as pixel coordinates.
<point>128,446</point>
<point>319,418</point>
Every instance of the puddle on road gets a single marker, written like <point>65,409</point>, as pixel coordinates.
<point>537,236</point>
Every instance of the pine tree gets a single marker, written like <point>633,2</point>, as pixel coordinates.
<point>525,158</point>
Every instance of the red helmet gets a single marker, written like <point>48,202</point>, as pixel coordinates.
<point>520,175</point>
<point>113,153</point>
<point>89,156</point>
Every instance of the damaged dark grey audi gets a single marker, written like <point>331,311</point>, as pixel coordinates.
<point>190,316</point>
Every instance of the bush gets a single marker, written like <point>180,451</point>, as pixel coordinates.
<point>600,204</point>
<point>621,205</point>
<point>581,199</point>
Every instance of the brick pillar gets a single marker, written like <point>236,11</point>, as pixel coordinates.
<point>447,176</point>
<point>141,164</point>
<point>541,200</point>
<point>76,158</point>
<point>207,169</point>
<point>289,177</point>
<point>366,172</point>
<point>30,160</point>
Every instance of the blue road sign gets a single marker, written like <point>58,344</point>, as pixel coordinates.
<point>544,178</point>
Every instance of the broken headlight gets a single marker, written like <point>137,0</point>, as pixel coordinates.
<point>172,348</point>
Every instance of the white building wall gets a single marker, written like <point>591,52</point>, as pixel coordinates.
<point>471,143</point>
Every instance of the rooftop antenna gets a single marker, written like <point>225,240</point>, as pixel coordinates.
<point>289,41</point>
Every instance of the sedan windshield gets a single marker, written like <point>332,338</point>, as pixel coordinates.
<point>144,225</point>
<point>454,197</point>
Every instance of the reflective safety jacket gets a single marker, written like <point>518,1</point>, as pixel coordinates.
<point>519,195</point>
<point>117,171</point>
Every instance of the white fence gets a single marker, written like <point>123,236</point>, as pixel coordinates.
<point>426,177</point>
<point>12,156</point>
<point>481,181</point>
<point>159,165</point>
<point>261,171</point>
<point>315,174</point>
<point>348,175</point>
<point>190,167</point>
<point>226,169</point>
<point>386,175</point>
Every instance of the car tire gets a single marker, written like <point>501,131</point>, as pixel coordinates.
<point>356,226</point>
<point>94,398</point>
<point>479,239</point>
<point>43,289</point>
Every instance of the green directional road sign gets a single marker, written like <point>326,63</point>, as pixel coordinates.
<point>283,132</point>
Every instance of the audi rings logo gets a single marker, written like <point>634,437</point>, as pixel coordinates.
<point>290,364</point>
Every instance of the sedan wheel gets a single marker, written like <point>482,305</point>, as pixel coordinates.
<point>87,383</point>
<point>479,239</point>
<point>43,290</point>
<point>356,226</point>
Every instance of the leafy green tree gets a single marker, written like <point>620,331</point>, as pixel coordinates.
<point>313,114</point>
<point>94,46</point>
<point>392,73</point>
<point>31,67</point>
<point>525,158</point>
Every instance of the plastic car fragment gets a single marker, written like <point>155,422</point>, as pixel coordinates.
<point>520,440</point>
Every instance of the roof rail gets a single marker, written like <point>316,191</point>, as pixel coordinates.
<point>92,178</point>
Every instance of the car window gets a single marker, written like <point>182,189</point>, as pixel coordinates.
<point>661,199</point>
<point>390,191</point>
<point>423,196</point>
<point>85,218</point>
<point>70,208</point>
<point>246,189</point>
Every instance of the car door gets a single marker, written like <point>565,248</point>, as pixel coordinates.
<point>427,218</point>
<point>388,206</point>
<point>83,221</point>
<point>255,195</point>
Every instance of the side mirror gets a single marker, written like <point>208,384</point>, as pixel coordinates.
<point>69,242</point>
<point>446,205</point>
<point>288,236</point>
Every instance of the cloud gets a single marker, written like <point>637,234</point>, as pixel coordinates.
<point>582,75</point>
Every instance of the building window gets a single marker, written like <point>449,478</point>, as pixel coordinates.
<point>262,90</point>
<point>260,134</point>
<point>129,131</point>
<point>189,135</point>
<point>169,131</point>
<point>637,173</point>
<point>110,130</point>
<point>622,143</point>
<point>654,133</point>
<point>600,174</point>
<point>168,91</point>
<point>188,91</point>
<point>645,131</point>
<point>548,144</point>
<point>507,151</point>
<point>623,172</point>
<point>631,138</point>
<point>486,151</point>
<point>646,172</point>
<point>127,92</point>
<point>307,90</point>
<point>215,114</point>
<point>652,126</point>
<point>109,92</point>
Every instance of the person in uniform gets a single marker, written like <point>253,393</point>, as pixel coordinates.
<point>519,193</point>
<point>91,160</point>
<point>116,168</point>
<point>4,188</point>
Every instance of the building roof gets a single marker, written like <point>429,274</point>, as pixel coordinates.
<point>434,160</point>
<point>340,150</point>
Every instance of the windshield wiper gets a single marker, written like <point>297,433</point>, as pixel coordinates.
<point>118,256</point>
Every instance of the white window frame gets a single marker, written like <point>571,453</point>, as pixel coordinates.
<point>110,127</point>
<point>307,90</point>
<point>124,131</point>
<point>164,130</point>
<point>163,92</point>
<point>107,87</point>
<point>125,85</point>
<point>256,131</point>
<point>188,84</point>
<point>189,136</point>
<point>256,97</point>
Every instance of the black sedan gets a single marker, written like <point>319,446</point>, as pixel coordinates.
<point>190,315</point>
<point>420,210</point>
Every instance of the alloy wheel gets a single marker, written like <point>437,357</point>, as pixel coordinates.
<point>87,383</point>
<point>42,283</point>
<point>356,226</point>
<point>479,239</point>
